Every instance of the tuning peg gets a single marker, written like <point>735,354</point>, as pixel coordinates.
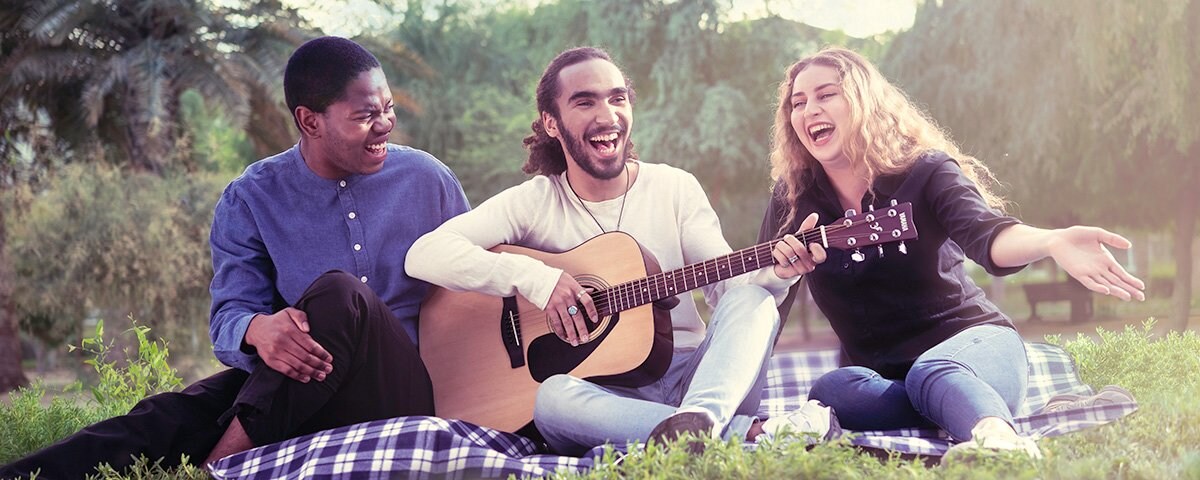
<point>851,212</point>
<point>858,256</point>
<point>871,207</point>
<point>880,250</point>
<point>903,248</point>
<point>894,203</point>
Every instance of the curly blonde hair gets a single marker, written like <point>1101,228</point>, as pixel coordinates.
<point>888,132</point>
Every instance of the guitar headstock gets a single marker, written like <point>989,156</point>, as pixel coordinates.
<point>890,224</point>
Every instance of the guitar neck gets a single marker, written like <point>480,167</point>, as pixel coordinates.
<point>874,227</point>
<point>670,283</point>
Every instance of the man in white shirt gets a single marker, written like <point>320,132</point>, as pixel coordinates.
<point>589,182</point>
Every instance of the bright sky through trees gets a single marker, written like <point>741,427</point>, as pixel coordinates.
<point>857,18</point>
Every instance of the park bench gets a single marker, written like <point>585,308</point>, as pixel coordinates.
<point>1068,291</point>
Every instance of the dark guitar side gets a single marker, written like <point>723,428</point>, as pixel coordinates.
<point>462,344</point>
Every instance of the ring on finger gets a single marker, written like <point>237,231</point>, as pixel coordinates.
<point>793,258</point>
<point>581,294</point>
<point>572,310</point>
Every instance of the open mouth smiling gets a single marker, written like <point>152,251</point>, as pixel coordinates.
<point>820,131</point>
<point>605,143</point>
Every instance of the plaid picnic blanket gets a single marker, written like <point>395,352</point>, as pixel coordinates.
<point>432,447</point>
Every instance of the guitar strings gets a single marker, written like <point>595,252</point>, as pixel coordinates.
<point>633,291</point>
<point>641,288</point>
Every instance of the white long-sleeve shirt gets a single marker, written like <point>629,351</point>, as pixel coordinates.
<point>665,210</point>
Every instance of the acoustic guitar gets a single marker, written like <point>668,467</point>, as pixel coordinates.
<point>487,355</point>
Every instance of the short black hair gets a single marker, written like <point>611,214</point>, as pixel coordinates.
<point>318,72</point>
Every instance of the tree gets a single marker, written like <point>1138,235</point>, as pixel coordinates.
<point>113,70</point>
<point>12,375</point>
<point>1085,110</point>
<point>705,87</point>
<point>102,79</point>
<point>476,97</point>
<point>115,243</point>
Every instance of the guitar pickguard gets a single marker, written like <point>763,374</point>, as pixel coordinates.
<point>551,356</point>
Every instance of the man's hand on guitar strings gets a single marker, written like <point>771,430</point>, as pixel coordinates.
<point>569,309</point>
<point>791,258</point>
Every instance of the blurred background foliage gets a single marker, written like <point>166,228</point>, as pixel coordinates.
<point>123,119</point>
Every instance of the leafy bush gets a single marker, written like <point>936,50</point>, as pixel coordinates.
<point>123,381</point>
<point>29,425</point>
<point>1152,368</point>
<point>100,241</point>
<point>215,143</point>
<point>1161,440</point>
<point>145,469</point>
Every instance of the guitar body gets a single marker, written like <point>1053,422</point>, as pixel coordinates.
<point>487,355</point>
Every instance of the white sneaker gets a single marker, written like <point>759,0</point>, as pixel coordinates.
<point>981,445</point>
<point>813,422</point>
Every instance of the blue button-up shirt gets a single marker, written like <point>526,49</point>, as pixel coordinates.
<point>279,226</point>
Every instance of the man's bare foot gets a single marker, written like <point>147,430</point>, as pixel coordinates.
<point>233,441</point>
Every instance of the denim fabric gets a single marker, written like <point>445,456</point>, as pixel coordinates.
<point>724,375</point>
<point>979,372</point>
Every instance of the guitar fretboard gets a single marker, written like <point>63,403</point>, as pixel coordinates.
<point>666,284</point>
<point>892,224</point>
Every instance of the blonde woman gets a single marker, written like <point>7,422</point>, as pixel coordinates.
<point>920,341</point>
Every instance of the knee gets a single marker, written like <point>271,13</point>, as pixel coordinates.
<point>552,401</point>
<point>829,388</point>
<point>927,372</point>
<point>748,294</point>
<point>336,295</point>
<point>554,392</point>
<point>752,305</point>
<point>336,284</point>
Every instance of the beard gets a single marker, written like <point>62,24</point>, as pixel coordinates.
<point>581,152</point>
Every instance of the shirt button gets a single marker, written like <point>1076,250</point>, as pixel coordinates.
<point>357,247</point>
<point>363,278</point>
<point>352,215</point>
<point>846,265</point>
<point>342,184</point>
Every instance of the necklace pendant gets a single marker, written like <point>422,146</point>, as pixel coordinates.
<point>624,196</point>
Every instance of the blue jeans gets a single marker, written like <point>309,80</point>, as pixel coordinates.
<point>979,372</point>
<point>724,375</point>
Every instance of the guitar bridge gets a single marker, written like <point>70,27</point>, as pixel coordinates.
<point>510,332</point>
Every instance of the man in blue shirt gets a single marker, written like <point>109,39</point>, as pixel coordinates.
<point>311,303</point>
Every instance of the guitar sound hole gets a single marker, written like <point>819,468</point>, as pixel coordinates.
<point>592,284</point>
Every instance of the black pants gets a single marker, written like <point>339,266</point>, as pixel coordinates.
<point>377,373</point>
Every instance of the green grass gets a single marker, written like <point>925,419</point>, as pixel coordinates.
<point>1160,441</point>
<point>30,425</point>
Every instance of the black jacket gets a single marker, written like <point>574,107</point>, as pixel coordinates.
<point>887,311</point>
